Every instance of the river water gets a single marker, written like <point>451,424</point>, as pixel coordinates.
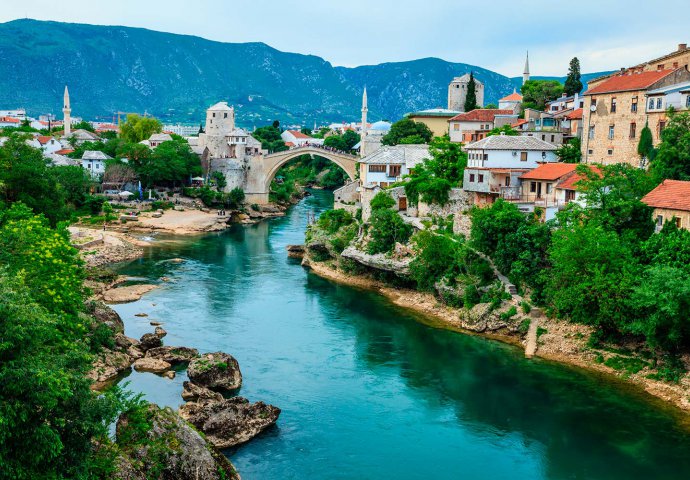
<point>368,391</point>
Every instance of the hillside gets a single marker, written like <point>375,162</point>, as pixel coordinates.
<point>176,77</point>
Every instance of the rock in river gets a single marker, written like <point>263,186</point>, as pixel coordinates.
<point>192,393</point>
<point>230,422</point>
<point>173,355</point>
<point>160,332</point>
<point>149,341</point>
<point>151,365</point>
<point>218,371</point>
<point>131,293</point>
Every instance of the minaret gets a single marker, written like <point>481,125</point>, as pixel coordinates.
<point>66,111</point>
<point>525,74</point>
<point>364,114</point>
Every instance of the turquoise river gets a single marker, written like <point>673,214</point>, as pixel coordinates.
<point>367,391</point>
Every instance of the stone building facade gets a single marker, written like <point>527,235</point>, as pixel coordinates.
<point>457,92</point>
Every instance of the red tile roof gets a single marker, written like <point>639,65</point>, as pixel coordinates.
<point>297,134</point>
<point>575,114</point>
<point>629,82</point>
<point>671,194</point>
<point>570,182</point>
<point>522,121</point>
<point>64,151</point>
<point>550,171</point>
<point>481,115</point>
<point>513,97</point>
<point>9,120</point>
<point>289,144</point>
<point>43,139</point>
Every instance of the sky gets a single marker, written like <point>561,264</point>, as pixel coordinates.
<point>494,34</point>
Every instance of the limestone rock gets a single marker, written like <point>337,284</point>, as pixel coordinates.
<point>217,370</point>
<point>379,261</point>
<point>295,251</point>
<point>169,374</point>
<point>108,366</point>
<point>122,342</point>
<point>192,392</point>
<point>131,293</point>
<point>141,314</point>
<point>134,353</point>
<point>159,332</point>
<point>173,355</point>
<point>475,318</point>
<point>229,422</point>
<point>151,365</point>
<point>107,316</point>
<point>154,323</point>
<point>149,341</point>
<point>170,449</point>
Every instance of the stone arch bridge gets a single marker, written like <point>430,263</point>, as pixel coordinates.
<point>263,168</point>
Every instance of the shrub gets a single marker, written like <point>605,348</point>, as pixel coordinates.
<point>471,297</point>
<point>508,314</point>
<point>434,259</point>
<point>387,228</point>
<point>332,220</point>
<point>382,201</point>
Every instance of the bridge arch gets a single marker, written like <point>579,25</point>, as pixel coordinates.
<point>275,161</point>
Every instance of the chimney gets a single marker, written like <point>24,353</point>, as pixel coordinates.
<point>682,46</point>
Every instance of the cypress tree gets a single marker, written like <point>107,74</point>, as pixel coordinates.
<point>646,143</point>
<point>471,98</point>
<point>573,84</point>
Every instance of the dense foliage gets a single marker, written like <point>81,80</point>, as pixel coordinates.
<point>573,82</point>
<point>536,93</point>
<point>672,158</point>
<point>471,97</point>
<point>407,131</point>
<point>386,226</point>
<point>136,128</point>
<point>570,152</point>
<point>270,138</point>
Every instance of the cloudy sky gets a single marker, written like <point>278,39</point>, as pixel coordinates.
<point>604,34</point>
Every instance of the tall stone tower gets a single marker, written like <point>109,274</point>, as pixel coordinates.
<point>66,112</point>
<point>525,74</point>
<point>365,109</point>
<point>457,92</point>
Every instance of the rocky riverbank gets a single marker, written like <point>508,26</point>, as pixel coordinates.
<point>557,340</point>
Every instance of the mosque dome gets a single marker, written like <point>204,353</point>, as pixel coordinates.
<point>381,126</point>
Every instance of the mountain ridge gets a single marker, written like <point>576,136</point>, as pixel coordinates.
<point>177,76</point>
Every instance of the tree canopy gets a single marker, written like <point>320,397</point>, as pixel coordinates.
<point>672,156</point>
<point>536,93</point>
<point>137,128</point>
<point>471,97</point>
<point>407,131</point>
<point>573,83</point>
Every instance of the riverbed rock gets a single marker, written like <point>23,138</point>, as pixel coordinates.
<point>159,332</point>
<point>169,374</point>
<point>108,365</point>
<point>149,341</point>
<point>217,371</point>
<point>173,355</point>
<point>122,342</point>
<point>141,314</point>
<point>153,365</point>
<point>379,261</point>
<point>102,313</point>
<point>475,318</point>
<point>127,294</point>
<point>295,251</point>
<point>134,353</point>
<point>229,422</point>
<point>192,392</point>
<point>154,323</point>
<point>170,449</point>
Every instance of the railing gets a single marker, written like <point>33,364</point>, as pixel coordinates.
<point>536,200</point>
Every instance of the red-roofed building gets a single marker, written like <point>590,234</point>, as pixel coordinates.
<point>671,203</point>
<point>9,122</point>
<point>616,110</point>
<point>473,126</point>
<point>298,139</point>
<point>511,102</point>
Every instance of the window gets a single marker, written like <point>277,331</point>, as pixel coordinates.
<point>214,114</point>
<point>508,181</point>
<point>481,178</point>
<point>471,177</point>
<point>591,132</point>
<point>658,103</point>
<point>613,105</point>
<point>394,170</point>
<point>486,156</point>
<point>678,221</point>
<point>610,151</point>
<point>532,187</point>
<point>523,156</point>
<point>377,168</point>
<point>633,129</point>
<point>456,127</point>
<point>590,152</point>
<point>660,220</point>
<point>651,104</point>
<point>543,137</point>
<point>612,131</point>
<point>594,102</point>
<point>225,115</point>
<point>553,137</point>
<point>687,101</point>
<point>662,125</point>
<point>549,187</point>
<point>633,105</point>
<point>569,195</point>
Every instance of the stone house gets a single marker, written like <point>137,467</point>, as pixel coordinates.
<point>389,164</point>
<point>496,163</point>
<point>617,109</point>
<point>158,138</point>
<point>474,126</point>
<point>457,92</point>
<point>671,203</point>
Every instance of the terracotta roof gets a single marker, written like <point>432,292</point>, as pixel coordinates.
<point>9,120</point>
<point>43,139</point>
<point>629,82</point>
<point>550,171</point>
<point>513,97</point>
<point>575,114</point>
<point>671,194</point>
<point>522,121</point>
<point>481,115</point>
<point>297,134</point>
<point>64,151</point>
<point>569,182</point>
<point>289,144</point>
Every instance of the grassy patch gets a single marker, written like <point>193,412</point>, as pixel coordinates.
<point>629,365</point>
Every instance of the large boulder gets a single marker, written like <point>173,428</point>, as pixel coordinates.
<point>151,365</point>
<point>380,261</point>
<point>229,422</point>
<point>149,341</point>
<point>192,393</point>
<point>107,316</point>
<point>173,355</point>
<point>108,366</point>
<point>169,450</point>
<point>218,371</point>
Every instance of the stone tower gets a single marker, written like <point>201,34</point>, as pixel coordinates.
<point>67,111</point>
<point>365,109</point>
<point>525,74</point>
<point>457,92</point>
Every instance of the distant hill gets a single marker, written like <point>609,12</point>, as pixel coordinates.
<point>176,77</point>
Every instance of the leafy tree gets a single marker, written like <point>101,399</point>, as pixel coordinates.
<point>570,152</point>
<point>490,106</point>
<point>235,197</point>
<point>407,131</point>
<point>337,142</point>
<point>491,224</point>
<point>171,163</point>
<point>306,131</point>
<point>382,201</point>
<point>270,138</point>
<point>504,130</point>
<point>536,93</point>
<point>276,124</point>
<point>471,97</point>
<point>333,220</point>
<point>137,128</point>
<point>573,83</point>
<point>435,258</point>
<point>219,179</point>
<point>672,159</point>
<point>387,229</point>
<point>670,247</point>
<point>645,147</point>
<point>84,125</point>
<point>73,181</point>
<point>351,138</point>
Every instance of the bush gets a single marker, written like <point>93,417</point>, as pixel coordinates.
<point>508,314</point>
<point>382,201</point>
<point>235,198</point>
<point>387,229</point>
<point>94,203</point>
<point>332,220</point>
<point>434,260</point>
<point>471,297</point>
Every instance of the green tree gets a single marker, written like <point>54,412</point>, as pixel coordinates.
<point>573,83</point>
<point>137,128</point>
<point>570,152</point>
<point>435,258</point>
<point>84,125</point>
<point>645,147</point>
<point>382,201</point>
<point>219,179</point>
<point>306,131</point>
<point>471,97</point>
<point>171,163</point>
<point>235,197</point>
<point>407,131</point>
<point>503,130</point>
<point>74,182</point>
<point>387,229</point>
<point>270,138</point>
<point>672,159</point>
<point>491,106</point>
<point>536,93</point>
<point>337,142</point>
<point>351,138</point>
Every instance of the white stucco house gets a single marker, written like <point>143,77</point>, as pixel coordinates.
<point>93,161</point>
<point>295,138</point>
<point>390,164</point>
